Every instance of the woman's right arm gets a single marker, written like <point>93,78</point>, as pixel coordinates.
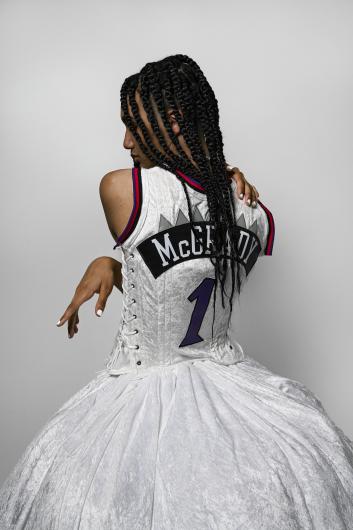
<point>103,273</point>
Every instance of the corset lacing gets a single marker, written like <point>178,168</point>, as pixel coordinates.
<point>127,302</point>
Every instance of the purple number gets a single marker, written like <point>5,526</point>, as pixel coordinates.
<point>203,294</point>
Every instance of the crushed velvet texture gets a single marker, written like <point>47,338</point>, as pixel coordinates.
<point>193,446</point>
<point>192,437</point>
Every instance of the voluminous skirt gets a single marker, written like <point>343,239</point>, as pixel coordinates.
<point>196,445</point>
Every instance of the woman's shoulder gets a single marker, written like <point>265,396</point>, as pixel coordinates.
<point>116,191</point>
<point>114,180</point>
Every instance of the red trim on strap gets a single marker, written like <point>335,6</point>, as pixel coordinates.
<point>191,181</point>
<point>134,215</point>
<point>271,232</point>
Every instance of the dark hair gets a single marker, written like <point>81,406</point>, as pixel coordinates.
<point>178,82</point>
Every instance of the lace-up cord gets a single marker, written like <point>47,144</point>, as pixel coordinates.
<point>127,316</point>
<point>127,302</point>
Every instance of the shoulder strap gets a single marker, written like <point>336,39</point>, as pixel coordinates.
<point>136,211</point>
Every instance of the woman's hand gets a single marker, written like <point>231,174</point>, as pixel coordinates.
<point>243,186</point>
<point>100,277</point>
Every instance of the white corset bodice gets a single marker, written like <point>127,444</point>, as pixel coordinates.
<point>168,278</point>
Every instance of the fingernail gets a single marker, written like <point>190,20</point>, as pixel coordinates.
<point>248,201</point>
<point>254,203</point>
<point>99,312</point>
<point>58,322</point>
<point>241,195</point>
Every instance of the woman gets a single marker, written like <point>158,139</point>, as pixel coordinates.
<point>182,430</point>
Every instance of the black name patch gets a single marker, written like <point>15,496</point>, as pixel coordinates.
<point>176,244</point>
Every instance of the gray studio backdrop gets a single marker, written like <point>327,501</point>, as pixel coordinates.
<point>282,75</point>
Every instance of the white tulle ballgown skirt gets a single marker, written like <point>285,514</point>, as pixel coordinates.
<point>193,446</point>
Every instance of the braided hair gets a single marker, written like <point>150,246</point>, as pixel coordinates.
<point>178,82</point>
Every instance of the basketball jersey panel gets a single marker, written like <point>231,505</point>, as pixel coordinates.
<point>169,278</point>
<point>259,220</point>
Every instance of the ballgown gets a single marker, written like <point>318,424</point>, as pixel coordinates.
<point>182,430</point>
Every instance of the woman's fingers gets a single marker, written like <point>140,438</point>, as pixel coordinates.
<point>245,191</point>
<point>250,195</point>
<point>104,293</point>
<point>239,178</point>
<point>68,313</point>
<point>99,278</point>
<point>72,324</point>
<point>82,294</point>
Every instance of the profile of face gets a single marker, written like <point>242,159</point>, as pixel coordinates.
<point>131,144</point>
